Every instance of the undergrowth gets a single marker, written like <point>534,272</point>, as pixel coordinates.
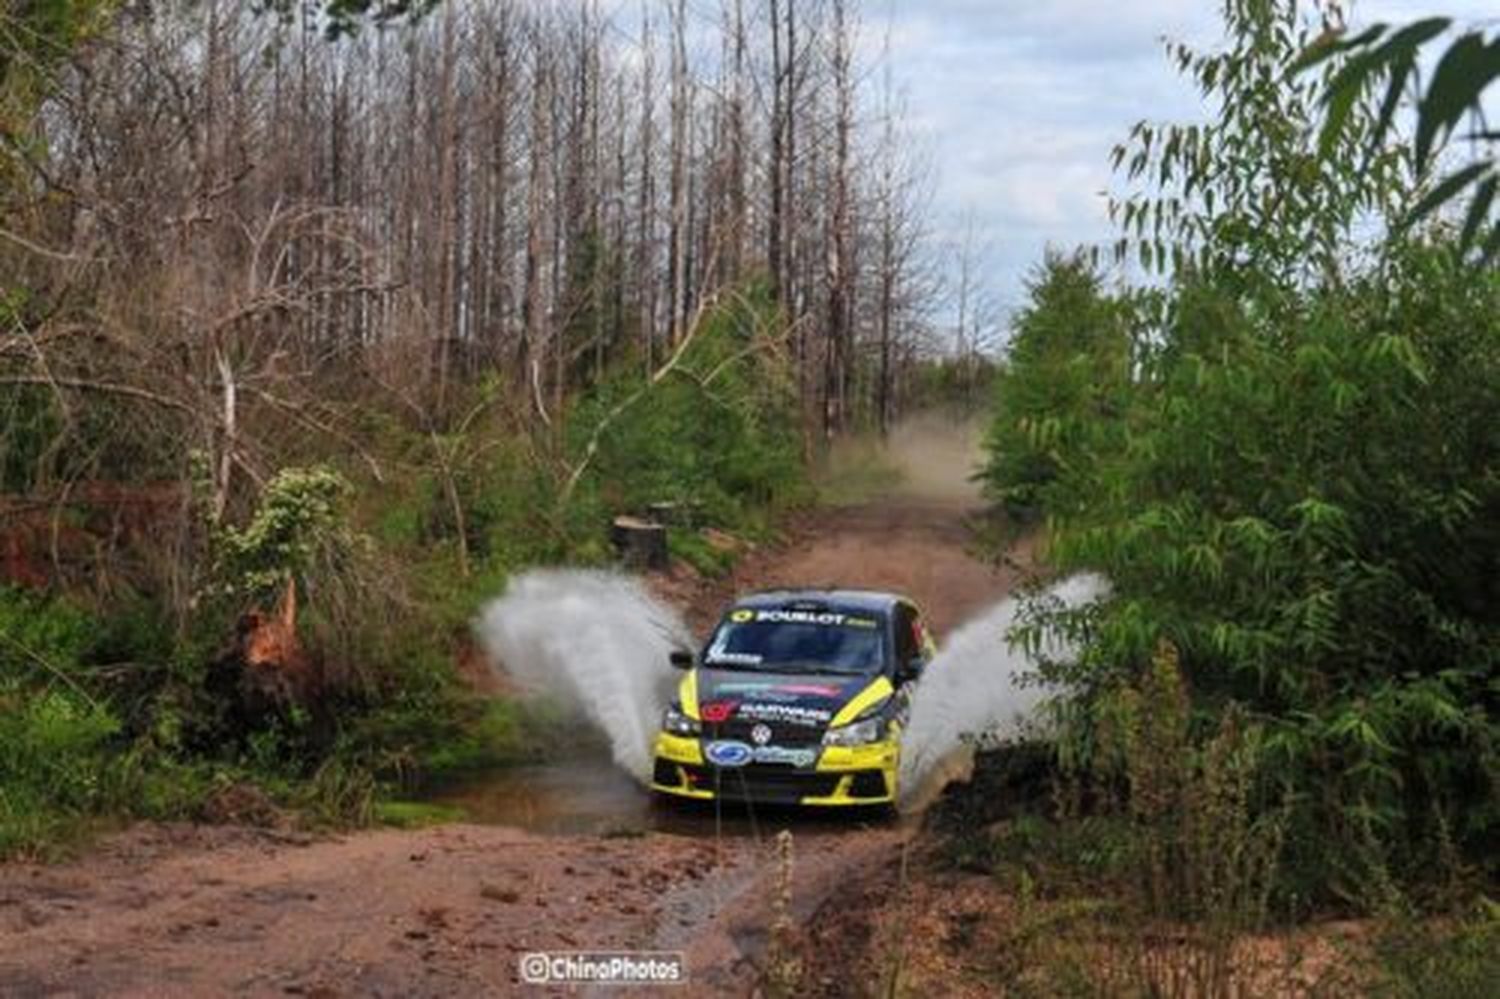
<point>116,702</point>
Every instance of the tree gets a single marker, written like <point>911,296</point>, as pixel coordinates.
<point>1060,397</point>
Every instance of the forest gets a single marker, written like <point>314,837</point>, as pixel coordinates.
<point>354,309</point>
<point>319,322</point>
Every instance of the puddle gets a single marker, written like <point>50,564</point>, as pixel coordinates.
<point>589,795</point>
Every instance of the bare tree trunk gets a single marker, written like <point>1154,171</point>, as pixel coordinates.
<point>677,250</point>
<point>534,319</point>
<point>736,181</point>
<point>776,170</point>
<point>840,270</point>
<point>646,205</point>
<point>447,169</point>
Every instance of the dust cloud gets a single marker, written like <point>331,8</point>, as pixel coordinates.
<point>937,456</point>
<point>595,641</point>
<point>930,456</point>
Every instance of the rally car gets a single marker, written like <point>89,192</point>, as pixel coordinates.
<point>798,698</point>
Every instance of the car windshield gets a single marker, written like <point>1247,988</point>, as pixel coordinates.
<point>791,641</point>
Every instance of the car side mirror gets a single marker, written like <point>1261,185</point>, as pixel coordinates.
<point>681,658</point>
<point>910,670</point>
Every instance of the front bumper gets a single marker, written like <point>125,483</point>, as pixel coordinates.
<point>843,775</point>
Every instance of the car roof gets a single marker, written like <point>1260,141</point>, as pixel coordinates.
<point>868,601</point>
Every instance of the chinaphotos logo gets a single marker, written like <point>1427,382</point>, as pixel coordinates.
<point>728,753</point>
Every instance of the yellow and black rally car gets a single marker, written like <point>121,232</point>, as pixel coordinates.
<point>798,698</point>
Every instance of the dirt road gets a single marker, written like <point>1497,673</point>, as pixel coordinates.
<point>169,910</point>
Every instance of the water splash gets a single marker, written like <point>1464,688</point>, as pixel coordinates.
<point>980,685</point>
<point>594,640</point>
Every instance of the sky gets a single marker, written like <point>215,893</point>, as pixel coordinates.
<point>1020,101</point>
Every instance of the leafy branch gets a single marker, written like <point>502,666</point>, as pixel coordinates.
<point>1463,73</point>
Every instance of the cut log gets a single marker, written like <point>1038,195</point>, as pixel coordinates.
<point>641,544</point>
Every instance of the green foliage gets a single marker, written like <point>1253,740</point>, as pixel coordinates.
<point>298,521</point>
<point>32,421</point>
<point>1284,519</point>
<point>1297,489</point>
<point>700,553</point>
<point>1059,399</point>
<point>1252,194</point>
<point>1426,959</point>
<point>717,434</point>
<point>54,762</point>
<point>122,690</point>
<point>35,38</point>
<point>957,385</point>
<point>415,814</point>
<point>1464,72</point>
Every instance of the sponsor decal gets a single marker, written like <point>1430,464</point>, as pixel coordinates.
<point>784,754</point>
<point>779,696</point>
<point>734,658</point>
<point>716,711</point>
<point>799,617</point>
<point>813,689</point>
<point>830,619</point>
<point>760,734</point>
<point>764,690</point>
<point>793,713</point>
<point>728,753</point>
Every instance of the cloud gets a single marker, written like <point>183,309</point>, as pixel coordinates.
<point>1021,102</point>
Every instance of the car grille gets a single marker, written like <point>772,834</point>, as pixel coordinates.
<point>782,733</point>
<point>764,783</point>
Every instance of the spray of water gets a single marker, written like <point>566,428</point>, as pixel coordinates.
<point>594,640</point>
<point>979,685</point>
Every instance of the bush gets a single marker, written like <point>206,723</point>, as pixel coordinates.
<point>1286,521</point>
<point>54,764</point>
<point>1295,482</point>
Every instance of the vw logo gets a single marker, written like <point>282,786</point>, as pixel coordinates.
<point>760,734</point>
<point>727,753</point>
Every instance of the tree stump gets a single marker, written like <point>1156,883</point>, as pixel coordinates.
<point>665,512</point>
<point>641,544</point>
<point>266,673</point>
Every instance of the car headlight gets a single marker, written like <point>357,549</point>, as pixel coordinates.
<point>677,723</point>
<point>860,733</point>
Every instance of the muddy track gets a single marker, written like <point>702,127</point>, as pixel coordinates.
<point>166,910</point>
